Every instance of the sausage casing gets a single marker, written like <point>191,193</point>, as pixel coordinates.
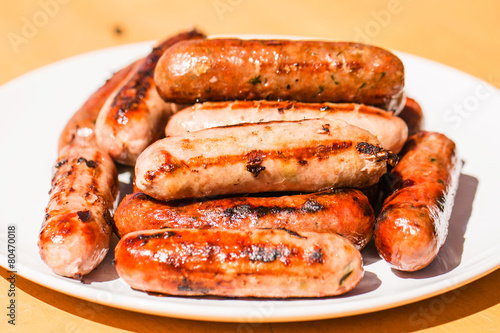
<point>390,130</point>
<point>306,71</point>
<point>346,212</point>
<point>307,155</point>
<point>413,223</point>
<point>233,263</point>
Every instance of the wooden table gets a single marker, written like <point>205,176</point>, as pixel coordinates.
<point>460,34</point>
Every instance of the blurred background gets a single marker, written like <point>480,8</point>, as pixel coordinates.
<point>460,34</point>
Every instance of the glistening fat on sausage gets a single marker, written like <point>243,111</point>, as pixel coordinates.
<point>345,211</point>
<point>234,263</point>
<point>413,223</point>
<point>306,71</point>
<point>307,155</point>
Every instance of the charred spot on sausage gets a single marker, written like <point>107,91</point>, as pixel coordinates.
<point>255,158</point>
<point>259,253</point>
<point>89,163</point>
<point>378,153</point>
<point>311,206</point>
<point>60,163</point>
<point>316,257</point>
<point>83,215</point>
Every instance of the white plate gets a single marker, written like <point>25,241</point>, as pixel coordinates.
<point>37,105</point>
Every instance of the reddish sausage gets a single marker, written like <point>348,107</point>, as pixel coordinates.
<point>346,212</point>
<point>306,71</point>
<point>234,263</point>
<point>413,223</point>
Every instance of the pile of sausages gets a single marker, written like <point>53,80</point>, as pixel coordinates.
<point>259,169</point>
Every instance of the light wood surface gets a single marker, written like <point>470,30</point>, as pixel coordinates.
<point>463,35</point>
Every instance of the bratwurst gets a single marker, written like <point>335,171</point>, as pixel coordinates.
<point>234,263</point>
<point>306,71</point>
<point>346,212</point>
<point>308,155</point>
<point>389,129</point>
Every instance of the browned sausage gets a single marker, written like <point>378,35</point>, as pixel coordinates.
<point>306,71</point>
<point>304,156</point>
<point>390,130</point>
<point>413,223</point>
<point>234,263</point>
<point>134,115</point>
<point>346,212</point>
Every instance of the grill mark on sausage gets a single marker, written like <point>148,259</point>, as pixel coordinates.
<point>311,206</point>
<point>130,98</point>
<point>318,150</point>
<point>316,257</point>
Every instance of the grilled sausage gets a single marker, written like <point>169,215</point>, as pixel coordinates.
<point>413,223</point>
<point>134,116</point>
<point>346,212</point>
<point>413,116</point>
<point>75,234</point>
<point>233,263</point>
<point>390,130</point>
<point>81,127</point>
<point>306,71</point>
<point>307,155</point>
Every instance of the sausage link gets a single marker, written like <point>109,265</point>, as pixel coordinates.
<point>346,212</point>
<point>233,263</point>
<point>413,223</point>
<point>134,116</point>
<point>390,130</point>
<point>304,156</point>
<point>75,234</point>
<point>306,71</point>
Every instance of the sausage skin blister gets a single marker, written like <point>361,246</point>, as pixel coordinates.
<point>134,115</point>
<point>306,71</point>
<point>390,130</point>
<point>413,223</point>
<point>234,263</point>
<point>303,156</point>
<point>346,212</point>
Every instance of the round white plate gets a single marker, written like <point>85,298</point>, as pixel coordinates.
<point>37,105</point>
